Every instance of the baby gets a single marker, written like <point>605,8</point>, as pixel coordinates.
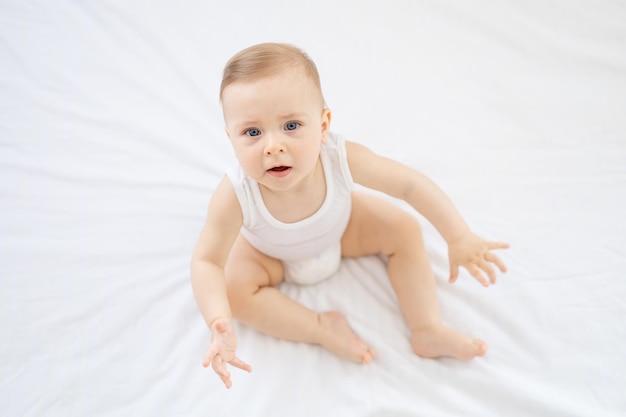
<point>289,212</point>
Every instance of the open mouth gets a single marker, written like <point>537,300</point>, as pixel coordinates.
<point>279,169</point>
<point>279,172</point>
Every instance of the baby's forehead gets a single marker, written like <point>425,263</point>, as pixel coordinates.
<point>287,74</point>
<point>296,78</point>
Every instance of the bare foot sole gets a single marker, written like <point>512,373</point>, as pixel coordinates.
<point>338,337</point>
<point>438,341</point>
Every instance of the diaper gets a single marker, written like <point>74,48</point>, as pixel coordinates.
<point>316,269</point>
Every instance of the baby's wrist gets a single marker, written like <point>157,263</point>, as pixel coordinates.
<point>217,320</point>
<point>458,237</point>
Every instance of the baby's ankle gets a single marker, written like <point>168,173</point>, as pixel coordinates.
<point>322,328</point>
<point>426,327</point>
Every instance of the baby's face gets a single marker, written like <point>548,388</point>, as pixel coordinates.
<point>276,126</point>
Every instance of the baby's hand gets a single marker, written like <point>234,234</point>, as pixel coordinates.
<point>475,254</point>
<point>222,350</point>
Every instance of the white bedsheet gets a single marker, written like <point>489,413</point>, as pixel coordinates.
<point>111,144</point>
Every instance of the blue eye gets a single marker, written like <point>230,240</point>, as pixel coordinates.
<point>253,132</point>
<point>292,126</point>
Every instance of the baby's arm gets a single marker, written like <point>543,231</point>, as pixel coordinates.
<point>397,180</point>
<point>220,230</point>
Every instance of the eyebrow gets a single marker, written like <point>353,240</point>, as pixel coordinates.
<point>293,115</point>
<point>296,115</point>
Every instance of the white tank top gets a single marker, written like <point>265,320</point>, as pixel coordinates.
<point>308,237</point>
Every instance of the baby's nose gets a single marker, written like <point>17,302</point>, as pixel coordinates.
<point>273,146</point>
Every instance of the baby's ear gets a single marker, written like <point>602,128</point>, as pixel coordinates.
<point>326,117</point>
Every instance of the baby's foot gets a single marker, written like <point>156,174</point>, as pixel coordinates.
<point>439,340</point>
<point>337,336</point>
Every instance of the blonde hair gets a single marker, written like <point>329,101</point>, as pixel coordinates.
<point>266,60</point>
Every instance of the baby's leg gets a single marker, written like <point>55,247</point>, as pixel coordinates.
<point>378,226</point>
<point>251,277</point>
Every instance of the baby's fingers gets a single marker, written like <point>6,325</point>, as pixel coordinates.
<point>220,369</point>
<point>208,357</point>
<point>497,245</point>
<point>454,273</point>
<point>493,258</point>
<point>488,269</point>
<point>238,363</point>
<point>475,271</point>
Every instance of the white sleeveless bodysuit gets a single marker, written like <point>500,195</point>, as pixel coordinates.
<point>309,249</point>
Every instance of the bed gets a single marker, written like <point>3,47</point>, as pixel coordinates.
<point>112,141</point>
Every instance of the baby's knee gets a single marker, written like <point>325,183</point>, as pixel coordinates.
<point>408,234</point>
<point>244,279</point>
<point>236,287</point>
<point>405,224</point>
